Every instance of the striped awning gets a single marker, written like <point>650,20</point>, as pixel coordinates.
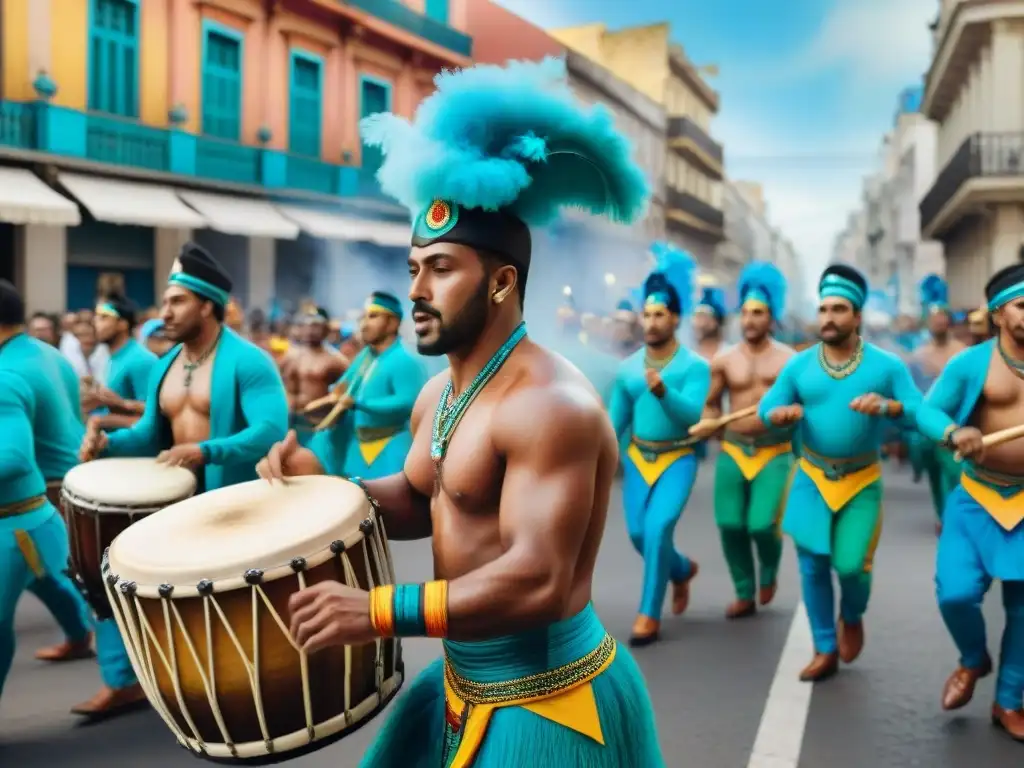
<point>27,199</point>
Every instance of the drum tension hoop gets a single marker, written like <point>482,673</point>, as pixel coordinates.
<point>204,587</point>
<point>253,577</point>
<point>165,591</point>
<point>298,564</point>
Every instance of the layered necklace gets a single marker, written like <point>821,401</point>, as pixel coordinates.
<point>659,363</point>
<point>844,369</point>
<point>191,366</point>
<point>451,409</point>
<point>1017,366</point>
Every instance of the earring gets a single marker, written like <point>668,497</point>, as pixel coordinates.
<point>497,297</point>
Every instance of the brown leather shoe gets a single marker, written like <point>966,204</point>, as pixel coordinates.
<point>822,667</point>
<point>938,528</point>
<point>766,593</point>
<point>67,651</point>
<point>851,641</point>
<point>740,609</point>
<point>110,703</point>
<point>959,687</point>
<point>681,590</point>
<point>1011,721</point>
<point>645,631</point>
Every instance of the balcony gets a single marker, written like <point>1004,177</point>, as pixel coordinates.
<point>687,213</point>
<point>40,127</point>
<point>987,168</point>
<point>399,15</point>
<point>690,140</point>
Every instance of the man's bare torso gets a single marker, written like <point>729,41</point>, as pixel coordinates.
<point>467,493</point>
<point>933,357</point>
<point>1001,407</point>
<point>309,373</point>
<point>746,376</point>
<point>188,408</point>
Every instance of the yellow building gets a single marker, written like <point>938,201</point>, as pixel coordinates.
<point>647,59</point>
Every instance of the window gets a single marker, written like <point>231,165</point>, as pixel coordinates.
<point>222,83</point>
<point>437,10</point>
<point>114,57</point>
<point>375,96</point>
<point>305,97</point>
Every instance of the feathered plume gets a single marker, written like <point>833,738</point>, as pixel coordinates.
<point>766,278</point>
<point>509,137</point>
<point>625,305</point>
<point>714,297</point>
<point>679,269</point>
<point>933,290</point>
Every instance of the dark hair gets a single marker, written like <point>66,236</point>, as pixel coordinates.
<point>51,319</point>
<point>219,311</point>
<point>125,307</point>
<point>12,307</point>
<point>494,260</point>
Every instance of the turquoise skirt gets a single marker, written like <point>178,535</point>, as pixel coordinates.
<point>419,728</point>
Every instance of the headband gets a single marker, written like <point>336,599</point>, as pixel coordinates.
<point>658,299</point>
<point>200,287</point>
<point>1006,295</point>
<point>842,288</point>
<point>383,303</point>
<point>107,309</point>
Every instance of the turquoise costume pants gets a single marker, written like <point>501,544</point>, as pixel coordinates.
<point>388,462</point>
<point>45,534</point>
<point>418,732</point>
<point>115,666</point>
<point>973,551</point>
<point>651,517</point>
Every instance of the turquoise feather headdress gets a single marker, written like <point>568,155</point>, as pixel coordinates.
<point>712,302</point>
<point>495,150</point>
<point>762,282</point>
<point>934,294</point>
<point>676,269</point>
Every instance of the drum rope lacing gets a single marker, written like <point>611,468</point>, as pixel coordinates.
<point>144,637</point>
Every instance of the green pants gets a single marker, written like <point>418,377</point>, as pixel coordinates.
<point>748,513</point>
<point>943,471</point>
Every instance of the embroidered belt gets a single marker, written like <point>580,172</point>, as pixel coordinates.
<point>650,450</point>
<point>1003,482</point>
<point>31,504</point>
<point>371,434</point>
<point>540,685</point>
<point>837,469</point>
<point>751,444</point>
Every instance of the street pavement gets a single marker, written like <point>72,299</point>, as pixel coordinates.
<point>709,678</point>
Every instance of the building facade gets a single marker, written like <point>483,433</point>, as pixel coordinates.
<point>646,59</point>
<point>975,205</point>
<point>130,126</point>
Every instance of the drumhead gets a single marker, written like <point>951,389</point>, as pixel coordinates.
<point>221,534</point>
<point>130,482</point>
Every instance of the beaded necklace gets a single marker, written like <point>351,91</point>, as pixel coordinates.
<point>658,363</point>
<point>1016,366</point>
<point>191,366</point>
<point>845,369</point>
<point>450,409</point>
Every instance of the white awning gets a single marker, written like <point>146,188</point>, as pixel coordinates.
<point>26,199</point>
<point>245,216</point>
<point>333,226</point>
<point>131,202</point>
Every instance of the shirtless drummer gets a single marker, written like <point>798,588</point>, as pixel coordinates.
<point>310,369</point>
<point>754,466</point>
<point>513,457</point>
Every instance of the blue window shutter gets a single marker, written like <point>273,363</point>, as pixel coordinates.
<point>114,57</point>
<point>222,85</point>
<point>305,110</point>
<point>375,96</point>
<point>437,10</point>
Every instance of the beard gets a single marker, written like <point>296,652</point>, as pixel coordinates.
<point>464,328</point>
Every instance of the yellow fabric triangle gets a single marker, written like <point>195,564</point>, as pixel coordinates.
<point>837,493</point>
<point>575,709</point>
<point>751,466</point>
<point>1008,512</point>
<point>373,448</point>
<point>29,552</point>
<point>869,558</point>
<point>650,471</point>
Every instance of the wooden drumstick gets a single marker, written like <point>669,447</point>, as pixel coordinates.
<point>333,416</point>
<point>329,399</point>
<point>993,439</point>
<point>721,421</point>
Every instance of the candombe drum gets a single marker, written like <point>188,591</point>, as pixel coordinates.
<point>104,497</point>
<point>201,593</point>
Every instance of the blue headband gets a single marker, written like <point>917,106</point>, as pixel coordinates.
<point>150,327</point>
<point>757,296</point>
<point>200,287</point>
<point>108,309</point>
<point>657,299</point>
<point>843,288</point>
<point>1005,296</point>
<point>385,304</point>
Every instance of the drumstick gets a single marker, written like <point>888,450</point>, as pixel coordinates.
<point>993,439</point>
<point>721,421</point>
<point>333,416</point>
<point>329,399</point>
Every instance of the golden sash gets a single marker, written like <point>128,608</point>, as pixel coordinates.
<point>838,493</point>
<point>1007,511</point>
<point>752,464</point>
<point>654,467</point>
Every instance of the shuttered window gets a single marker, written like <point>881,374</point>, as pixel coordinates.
<point>305,105</point>
<point>114,57</point>
<point>375,96</point>
<point>222,84</point>
<point>437,10</point>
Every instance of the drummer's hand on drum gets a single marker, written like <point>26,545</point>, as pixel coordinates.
<point>188,455</point>
<point>330,613</point>
<point>95,441</point>
<point>288,459</point>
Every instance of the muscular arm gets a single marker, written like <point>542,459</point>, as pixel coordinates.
<point>17,451</point>
<point>685,404</point>
<point>782,392</point>
<point>620,407</point>
<point>406,379</point>
<point>937,418</point>
<point>907,394</point>
<point>551,462</point>
<point>143,437</point>
<point>713,406</point>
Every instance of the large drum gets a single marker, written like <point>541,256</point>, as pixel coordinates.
<point>101,499</point>
<point>201,591</point>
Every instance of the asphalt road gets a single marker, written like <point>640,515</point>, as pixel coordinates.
<point>709,679</point>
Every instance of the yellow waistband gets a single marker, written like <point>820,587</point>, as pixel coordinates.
<point>838,493</point>
<point>1007,511</point>
<point>752,464</point>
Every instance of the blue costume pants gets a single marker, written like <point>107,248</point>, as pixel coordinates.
<point>651,517</point>
<point>973,551</point>
<point>34,554</point>
<point>115,666</point>
<point>387,462</point>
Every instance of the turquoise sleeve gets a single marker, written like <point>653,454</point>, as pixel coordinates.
<point>686,404</point>
<point>143,437</point>
<point>935,418</point>
<point>407,379</point>
<point>17,449</point>
<point>138,375</point>
<point>782,392</point>
<point>264,407</point>
<point>905,390</point>
<point>620,408</point>
<point>350,372</point>
<point>69,379</point>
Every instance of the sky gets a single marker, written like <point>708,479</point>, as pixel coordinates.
<point>808,90</point>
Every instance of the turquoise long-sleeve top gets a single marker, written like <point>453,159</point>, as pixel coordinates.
<point>384,386</point>
<point>687,379</point>
<point>20,477</point>
<point>57,427</point>
<point>129,370</point>
<point>955,394</point>
<point>829,427</point>
<point>248,413</point>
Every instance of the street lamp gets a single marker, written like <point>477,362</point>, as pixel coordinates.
<point>567,290</point>
<point>609,279</point>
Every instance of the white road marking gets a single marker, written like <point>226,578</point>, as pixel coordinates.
<point>780,736</point>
